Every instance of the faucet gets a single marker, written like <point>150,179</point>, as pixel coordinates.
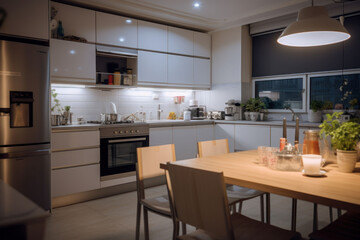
<point>293,114</point>
<point>159,111</point>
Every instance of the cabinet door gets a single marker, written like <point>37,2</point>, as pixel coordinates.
<point>76,21</point>
<point>202,44</point>
<point>161,136</point>
<point>26,18</point>
<point>226,131</point>
<point>180,70</point>
<point>72,62</point>
<point>71,140</point>
<point>115,30</point>
<point>205,133</point>
<point>249,137</point>
<point>277,133</point>
<point>152,67</point>
<point>152,36</point>
<point>185,142</point>
<point>202,72</point>
<point>180,41</point>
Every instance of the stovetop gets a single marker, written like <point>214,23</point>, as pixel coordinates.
<point>110,122</point>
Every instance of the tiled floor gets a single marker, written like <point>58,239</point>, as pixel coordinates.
<point>114,218</point>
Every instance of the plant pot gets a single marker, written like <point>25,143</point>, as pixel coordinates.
<point>314,116</point>
<point>254,116</point>
<point>262,116</point>
<point>346,160</point>
<point>247,116</point>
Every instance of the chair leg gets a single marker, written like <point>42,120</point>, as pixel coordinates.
<point>146,224</point>
<point>293,214</point>
<point>262,208</point>
<point>240,207</point>
<point>331,214</point>
<point>267,208</point>
<point>233,208</point>
<point>339,212</point>
<point>315,221</point>
<point>138,216</point>
<point>175,229</point>
<point>183,225</point>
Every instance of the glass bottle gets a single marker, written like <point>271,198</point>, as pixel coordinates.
<point>60,30</point>
<point>311,142</point>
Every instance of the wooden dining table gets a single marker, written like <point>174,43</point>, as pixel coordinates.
<point>335,188</point>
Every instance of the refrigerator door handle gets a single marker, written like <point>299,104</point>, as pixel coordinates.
<point>4,111</point>
<point>24,154</point>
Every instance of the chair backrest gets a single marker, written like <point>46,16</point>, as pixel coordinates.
<point>213,147</point>
<point>149,159</point>
<point>199,199</point>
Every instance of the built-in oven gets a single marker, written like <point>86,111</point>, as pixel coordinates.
<point>118,144</point>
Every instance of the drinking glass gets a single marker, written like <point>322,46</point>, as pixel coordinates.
<point>272,157</point>
<point>262,152</point>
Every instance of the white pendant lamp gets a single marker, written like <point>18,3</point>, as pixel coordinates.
<point>313,28</point>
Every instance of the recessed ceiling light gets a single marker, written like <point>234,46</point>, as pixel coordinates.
<point>121,39</point>
<point>128,21</point>
<point>72,52</point>
<point>196,4</point>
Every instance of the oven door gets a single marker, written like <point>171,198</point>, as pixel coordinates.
<point>118,155</point>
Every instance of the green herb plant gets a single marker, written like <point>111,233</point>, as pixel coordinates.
<point>254,105</point>
<point>67,108</point>
<point>56,105</point>
<point>353,103</point>
<point>330,124</point>
<point>316,105</point>
<point>328,105</point>
<point>346,136</point>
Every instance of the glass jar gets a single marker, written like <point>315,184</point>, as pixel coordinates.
<point>311,142</point>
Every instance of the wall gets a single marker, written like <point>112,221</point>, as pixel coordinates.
<point>90,103</point>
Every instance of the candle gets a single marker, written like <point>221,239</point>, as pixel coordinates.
<point>297,132</point>
<point>284,128</point>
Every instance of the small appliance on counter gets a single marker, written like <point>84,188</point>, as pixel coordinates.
<point>216,115</point>
<point>198,112</point>
<point>233,110</point>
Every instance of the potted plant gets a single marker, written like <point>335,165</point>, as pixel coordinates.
<point>254,105</point>
<point>344,139</point>
<point>315,112</point>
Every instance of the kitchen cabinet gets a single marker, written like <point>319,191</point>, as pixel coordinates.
<point>75,162</point>
<point>180,41</point>
<point>249,137</point>
<point>202,72</point>
<point>226,131</point>
<point>26,18</point>
<point>72,62</point>
<point>116,30</point>
<point>277,133</point>
<point>160,136</point>
<point>180,70</point>
<point>79,22</point>
<point>205,133</point>
<point>152,36</point>
<point>185,141</point>
<point>152,68</point>
<point>202,44</point>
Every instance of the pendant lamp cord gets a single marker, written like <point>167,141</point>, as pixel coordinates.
<point>343,61</point>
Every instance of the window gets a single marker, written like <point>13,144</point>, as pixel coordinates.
<point>282,91</point>
<point>336,90</point>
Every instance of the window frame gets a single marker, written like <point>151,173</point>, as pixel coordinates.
<point>321,74</point>
<point>285,77</point>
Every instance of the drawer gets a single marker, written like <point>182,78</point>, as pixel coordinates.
<point>74,140</point>
<point>75,180</point>
<point>75,158</point>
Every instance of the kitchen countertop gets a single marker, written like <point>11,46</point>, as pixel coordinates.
<point>178,123</point>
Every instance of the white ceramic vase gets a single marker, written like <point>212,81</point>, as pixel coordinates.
<point>346,160</point>
<point>254,116</point>
<point>314,116</point>
<point>247,116</point>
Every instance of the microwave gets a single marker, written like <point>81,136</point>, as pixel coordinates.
<point>198,113</point>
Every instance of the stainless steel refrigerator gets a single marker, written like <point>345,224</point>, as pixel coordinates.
<point>24,119</point>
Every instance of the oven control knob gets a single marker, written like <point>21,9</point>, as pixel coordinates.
<point>120,132</point>
<point>115,132</point>
<point>137,131</point>
<point>132,131</point>
<point>126,131</point>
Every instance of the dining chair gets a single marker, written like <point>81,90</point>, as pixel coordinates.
<point>198,198</point>
<point>346,227</point>
<point>149,159</point>
<point>236,194</point>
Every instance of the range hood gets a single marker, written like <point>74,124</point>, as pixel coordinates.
<point>115,51</point>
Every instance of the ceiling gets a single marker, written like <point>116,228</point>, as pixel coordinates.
<point>212,15</point>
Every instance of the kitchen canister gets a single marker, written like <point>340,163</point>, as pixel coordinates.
<point>187,115</point>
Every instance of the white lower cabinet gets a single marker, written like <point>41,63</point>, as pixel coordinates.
<point>249,137</point>
<point>160,136</point>
<point>185,140</point>
<point>226,131</point>
<point>75,162</point>
<point>205,133</point>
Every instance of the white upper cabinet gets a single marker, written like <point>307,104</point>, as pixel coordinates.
<point>202,44</point>
<point>26,18</point>
<point>72,62</point>
<point>79,22</point>
<point>180,41</point>
<point>152,36</point>
<point>115,30</point>
<point>180,70</point>
<point>152,67</point>
<point>202,72</point>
